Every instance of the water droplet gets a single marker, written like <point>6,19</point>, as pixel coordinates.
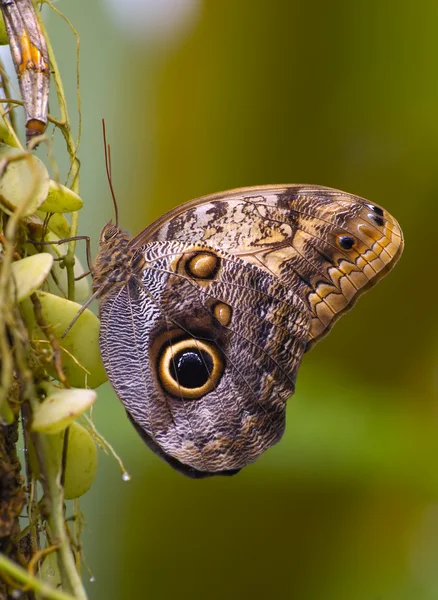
<point>126,476</point>
<point>92,579</point>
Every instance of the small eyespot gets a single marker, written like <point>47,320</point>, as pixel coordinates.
<point>222,312</point>
<point>203,265</point>
<point>346,242</point>
<point>377,219</point>
<point>189,369</point>
<point>376,209</point>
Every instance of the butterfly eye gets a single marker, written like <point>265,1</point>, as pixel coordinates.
<point>346,242</point>
<point>108,232</point>
<point>189,368</point>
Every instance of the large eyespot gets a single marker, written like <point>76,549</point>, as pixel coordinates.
<point>190,368</point>
<point>203,265</point>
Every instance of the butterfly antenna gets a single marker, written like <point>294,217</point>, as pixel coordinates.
<point>108,171</point>
<point>110,164</point>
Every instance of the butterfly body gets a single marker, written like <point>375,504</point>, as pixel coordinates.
<point>206,314</point>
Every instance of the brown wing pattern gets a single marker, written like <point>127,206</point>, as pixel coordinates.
<point>205,315</point>
<point>326,245</point>
<point>248,335</point>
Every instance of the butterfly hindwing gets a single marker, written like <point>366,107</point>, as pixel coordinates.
<point>203,350</point>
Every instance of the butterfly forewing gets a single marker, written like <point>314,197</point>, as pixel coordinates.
<point>328,246</point>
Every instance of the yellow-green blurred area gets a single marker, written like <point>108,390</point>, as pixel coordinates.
<point>237,93</point>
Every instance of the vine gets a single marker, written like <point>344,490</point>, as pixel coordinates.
<point>46,378</point>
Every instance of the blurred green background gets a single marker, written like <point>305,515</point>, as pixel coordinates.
<point>204,96</point>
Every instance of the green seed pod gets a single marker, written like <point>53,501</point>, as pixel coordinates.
<point>61,408</point>
<point>25,181</point>
<point>57,223</point>
<point>6,137</point>
<point>58,284</point>
<point>81,463</point>
<point>61,199</point>
<point>3,35</point>
<point>29,274</point>
<point>81,360</point>
<point>49,573</point>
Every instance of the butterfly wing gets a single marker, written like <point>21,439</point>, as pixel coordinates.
<point>202,334</point>
<point>326,245</point>
<point>203,349</point>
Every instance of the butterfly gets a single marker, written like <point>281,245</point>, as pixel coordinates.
<point>207,313</point>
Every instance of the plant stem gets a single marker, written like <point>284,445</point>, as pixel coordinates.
<point>65,127</point>
<point>71,580</point>
<point>20,575</point>
<point>6,281</point>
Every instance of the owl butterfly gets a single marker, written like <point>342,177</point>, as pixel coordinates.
<point>206,314</point>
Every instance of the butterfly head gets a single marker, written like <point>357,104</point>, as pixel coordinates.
<point>110,233</point>
<point>114,257</point>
